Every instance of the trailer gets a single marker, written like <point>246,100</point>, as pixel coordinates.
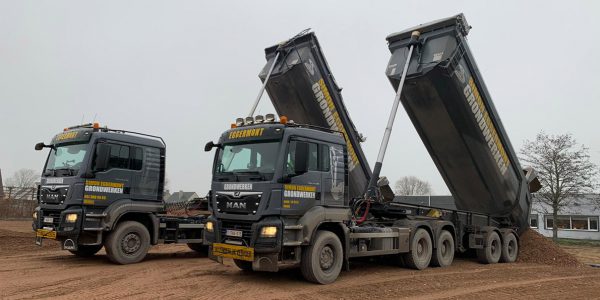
<point>298,191</point>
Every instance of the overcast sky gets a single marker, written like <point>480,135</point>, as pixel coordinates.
<point>185,70</point>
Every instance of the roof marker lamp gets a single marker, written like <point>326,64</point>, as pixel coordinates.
<point>283,120</point>
<point>259,119</point>
<point>239,122</point>
<point>249,121</point>
<point>270,117</point>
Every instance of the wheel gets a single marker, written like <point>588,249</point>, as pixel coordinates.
<point>510,248</point>
<point>444,253</point>
<point>322,261</point>
<point>420,250</point>
<point>243,264</point>
<point>200,248</point>
<point>128,243</point>
<point>86,250</point>
<point>492,248</point>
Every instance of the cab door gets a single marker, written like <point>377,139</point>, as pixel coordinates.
<point>113,183</point>
<point>302,191</point>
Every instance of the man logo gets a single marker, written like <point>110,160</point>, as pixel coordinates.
<point>236,205</point>
<point>236,194</point>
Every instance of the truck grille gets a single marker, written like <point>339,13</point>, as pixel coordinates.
<point>245,228</point>
<point>238,205</point>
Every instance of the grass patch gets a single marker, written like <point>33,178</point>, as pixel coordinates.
<point>573,242</point>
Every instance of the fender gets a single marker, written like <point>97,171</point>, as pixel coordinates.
<point>118,209</point>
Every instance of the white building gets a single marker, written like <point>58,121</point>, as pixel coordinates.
<point>578,221</point>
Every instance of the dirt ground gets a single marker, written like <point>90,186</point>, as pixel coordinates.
<point>175,272</point>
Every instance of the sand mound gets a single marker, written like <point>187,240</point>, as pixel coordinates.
<point>535,248</point>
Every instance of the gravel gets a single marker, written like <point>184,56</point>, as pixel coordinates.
<point>538,249</point>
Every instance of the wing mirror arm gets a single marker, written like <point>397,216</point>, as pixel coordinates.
<point>211,145</point>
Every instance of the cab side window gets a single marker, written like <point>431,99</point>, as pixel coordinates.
<point>119,157</point>
<point>125,157</point>
<point>318,157</point>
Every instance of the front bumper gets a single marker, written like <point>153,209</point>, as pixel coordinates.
<point>52,224</point>
<point>266,251</point>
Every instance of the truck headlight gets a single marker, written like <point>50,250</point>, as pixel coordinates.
<point>34,216</point>
<point>209,226</point>
<point>71,218</point>
<point>268,231</point>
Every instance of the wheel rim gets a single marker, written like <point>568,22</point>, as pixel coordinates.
<point>131,243</point>
<point>512,247</point>
<point>326,258</point>
<point>494,247</point>
<point>445,248</point>
<point>422,248</point>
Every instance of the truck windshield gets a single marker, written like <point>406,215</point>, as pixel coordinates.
<point>249,159</point>
<point>65,160</point>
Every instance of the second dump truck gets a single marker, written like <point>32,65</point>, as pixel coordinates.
<point>302,194</point>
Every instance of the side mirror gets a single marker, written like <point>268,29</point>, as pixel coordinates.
<point>301,158</point>
<point>102,156</point>
<point>39,146</point>
<point>211,145</point>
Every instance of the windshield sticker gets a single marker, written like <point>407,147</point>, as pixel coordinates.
<point>238,186</point>
<point>66,136</point>
<point>244,133</point>
<point>104,187</point>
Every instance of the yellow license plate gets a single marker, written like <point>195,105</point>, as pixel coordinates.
<point>233,251</point>
<point>45,233</point>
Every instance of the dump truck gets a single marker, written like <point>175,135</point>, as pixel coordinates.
<point>298,191</point>
<point>103,187</point>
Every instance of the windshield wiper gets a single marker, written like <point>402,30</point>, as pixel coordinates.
<point>262,176</point>
<point>70,170</point>
<point>50,172</point>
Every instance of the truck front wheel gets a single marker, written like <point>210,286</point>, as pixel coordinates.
<point>200,248</point>
<point>128,243</point>
<point>86,250</point>
<point>421,250</point>
<point>243,265</point>
<point>322,261</point>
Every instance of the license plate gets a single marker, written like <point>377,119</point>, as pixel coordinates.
<point>234,233</point>
<point>48,219</point>
<point>45,233</point>
<point>233,251</point>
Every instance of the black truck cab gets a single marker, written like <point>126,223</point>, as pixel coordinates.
<point>96,181</point>
<point>266,177</point>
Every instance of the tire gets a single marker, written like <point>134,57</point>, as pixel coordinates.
<point>243,265</point>
<point>86,250</point>
<point>490,253</point>
<point>200,248</point>
<point>444,253</point>
<point>322,261</point>
<point>128,243</point>
<point>510,248</point>
<point>421,250</point>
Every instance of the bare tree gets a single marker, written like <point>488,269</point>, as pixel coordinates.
<point>412,186</point>
<point>564,170</point>
<point>23,178</point>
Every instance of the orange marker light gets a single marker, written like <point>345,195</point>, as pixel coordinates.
<point>96,126</point>
<point>65,129</point>
<point>233,125</point>
<point>283,120</point>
